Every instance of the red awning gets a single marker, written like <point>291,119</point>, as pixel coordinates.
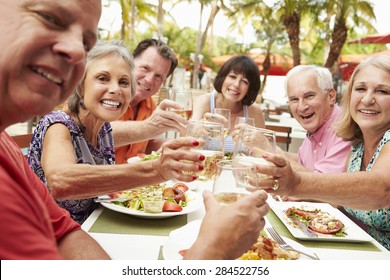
<point>280,64</point>
<point>373,39</point>
<point>348,62</point>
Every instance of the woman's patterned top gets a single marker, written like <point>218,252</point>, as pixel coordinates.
<point>377,220</point>
<point>84,152</point>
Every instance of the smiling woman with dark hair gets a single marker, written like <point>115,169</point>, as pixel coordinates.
<point>236,85</point>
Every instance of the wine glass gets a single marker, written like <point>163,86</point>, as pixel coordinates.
<point>184,98</point>
<point>244,120</point>
<point>240,123</point>
<point>253,142</point>
<point>232,179</point>
<point>210,136</point>
<point>226,123</point>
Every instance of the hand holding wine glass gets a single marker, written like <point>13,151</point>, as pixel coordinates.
<point>240,123</point>
<point>210,135</point>
<point>253,143</point>
<point>225,120</point>
<point>184,98</point>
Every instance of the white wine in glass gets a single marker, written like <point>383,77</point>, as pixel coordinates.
<point>210,135</point>
<point>184,98</point>
<point>226,114</point>
<point>187,114</point>
<point>231,180</point>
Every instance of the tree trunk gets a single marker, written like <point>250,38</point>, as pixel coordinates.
<point>339,37</point>
<point>292,27</point>
<point>132,20</point>
<point>214,11</point>
<point>202,36</point>
<point>195,71</point>
<point>266,67</point>
<point>160,20</point>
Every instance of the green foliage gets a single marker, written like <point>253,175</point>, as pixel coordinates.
<point>316,27</point>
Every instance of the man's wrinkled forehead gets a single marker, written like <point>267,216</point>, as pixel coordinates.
<point>68,9</point>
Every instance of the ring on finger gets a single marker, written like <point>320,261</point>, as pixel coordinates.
<point>275,187</point>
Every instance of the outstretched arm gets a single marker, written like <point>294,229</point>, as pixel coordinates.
<point>78,245</point>
<point>161,121</point>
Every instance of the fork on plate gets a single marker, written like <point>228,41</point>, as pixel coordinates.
<point>275,235</point>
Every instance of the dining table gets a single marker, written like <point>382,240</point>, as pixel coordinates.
<point>128,237</point>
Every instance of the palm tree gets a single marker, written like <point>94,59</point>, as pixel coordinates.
<point>126,8</point>
<point>133,12</point>
<point>290,12</point>
<point>269,29</point>
<point>358,12</point>
<point>160,19</point>
<point>202,35</point>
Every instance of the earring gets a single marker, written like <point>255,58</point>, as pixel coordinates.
<point>82,105</point>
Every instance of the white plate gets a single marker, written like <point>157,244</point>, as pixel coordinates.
<point>133,159</point>
<point>183,238</point>
<point>353,231</point>
<point>194,203</point>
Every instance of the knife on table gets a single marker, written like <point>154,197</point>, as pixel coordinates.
<point>308,232</point>
<point>111,199</point>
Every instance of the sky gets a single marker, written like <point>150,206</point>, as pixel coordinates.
<point>183,18</point>
<point>190,19</point>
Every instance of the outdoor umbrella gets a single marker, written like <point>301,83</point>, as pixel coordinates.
<point>348,62</point>
<point>373,39</point>
<point>280,64</point>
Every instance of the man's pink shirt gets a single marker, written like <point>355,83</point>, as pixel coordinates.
<point>323,151</point>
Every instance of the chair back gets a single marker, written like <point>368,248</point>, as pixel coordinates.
<point>282,134</point>
<point>23,141</point>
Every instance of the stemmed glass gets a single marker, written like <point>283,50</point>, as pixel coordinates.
<point>244,120</point>
<point>210,136</point>
<point>232,179</point>
<point>253,142</point>
<point>226,123</point>
<point>184,98</point>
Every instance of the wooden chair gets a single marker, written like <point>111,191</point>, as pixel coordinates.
<point>285,138</point>
<point>23,141</point>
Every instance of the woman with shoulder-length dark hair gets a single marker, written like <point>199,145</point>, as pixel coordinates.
<point>236,85</point>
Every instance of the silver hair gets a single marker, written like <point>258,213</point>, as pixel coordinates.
<point>324,77</point>
<point>102,49</point>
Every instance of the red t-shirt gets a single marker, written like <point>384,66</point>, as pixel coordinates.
<point>30,220</point>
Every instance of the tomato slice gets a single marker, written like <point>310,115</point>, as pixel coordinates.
<point>325,225</point>
<point>114,195</point>
<point>305,214</point>
<point>181,186</point>
<point>171,207</point>
<point>176,193</point>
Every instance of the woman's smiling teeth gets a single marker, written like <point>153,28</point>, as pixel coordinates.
<point>51,77</point>
<point>369,112</point>
<point>233,92</point>
<point>111,103</point>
